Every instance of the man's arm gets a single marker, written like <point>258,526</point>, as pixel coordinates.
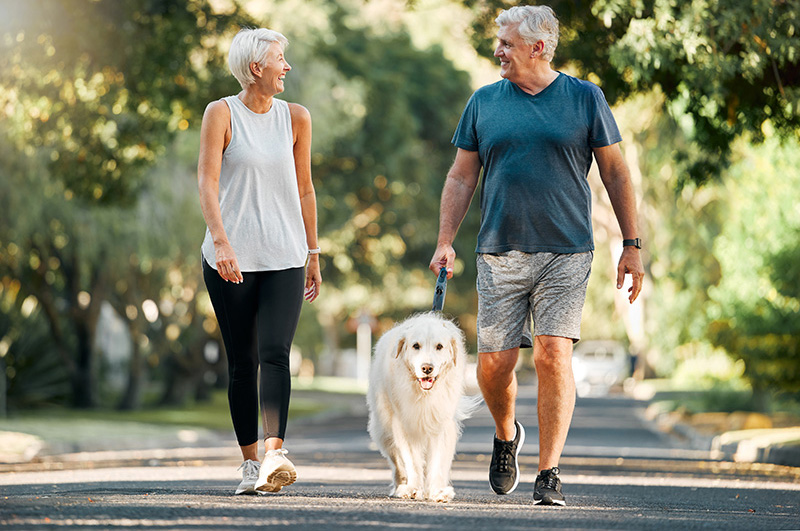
<point>459,187</point>
<point>617,181</point>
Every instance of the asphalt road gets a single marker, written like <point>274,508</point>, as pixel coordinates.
<point>618,473</point>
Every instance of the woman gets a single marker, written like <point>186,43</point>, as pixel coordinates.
<point>260,248</point>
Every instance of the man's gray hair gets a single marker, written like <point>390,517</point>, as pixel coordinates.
<point>249,46</point>
<point>534,23</point>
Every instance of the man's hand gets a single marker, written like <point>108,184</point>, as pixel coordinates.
<point>630,263</point>
<point>444,256</point>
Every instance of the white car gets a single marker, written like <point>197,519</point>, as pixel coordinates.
<point>598,366</point>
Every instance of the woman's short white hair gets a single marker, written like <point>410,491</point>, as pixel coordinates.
<point>534,23</point>
<point>248,46</point>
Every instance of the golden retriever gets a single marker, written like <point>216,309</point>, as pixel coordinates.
<point>416,404</point>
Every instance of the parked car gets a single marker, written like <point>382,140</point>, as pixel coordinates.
<point>599,365</point>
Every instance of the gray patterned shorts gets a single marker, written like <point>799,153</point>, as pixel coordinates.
<point>512,285</point>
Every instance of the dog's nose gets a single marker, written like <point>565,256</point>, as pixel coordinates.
<point>427,368</point>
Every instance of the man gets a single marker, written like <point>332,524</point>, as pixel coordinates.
<point>534,134</point>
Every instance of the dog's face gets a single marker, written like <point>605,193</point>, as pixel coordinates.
<point>429,346</point>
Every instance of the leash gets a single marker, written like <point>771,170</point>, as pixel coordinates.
<point>440,290</point>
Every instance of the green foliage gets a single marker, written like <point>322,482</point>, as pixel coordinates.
<point>722,259</point>
<point>725,68</point>
<point>756,315</point>
<point>681,229</point>
<point>103,112</point>
<point>92,214</point>
<point>91,94</point>
<point>383,115</point>
<point>28,359</point>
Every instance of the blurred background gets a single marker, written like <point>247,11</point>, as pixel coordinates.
<point>102,305</point>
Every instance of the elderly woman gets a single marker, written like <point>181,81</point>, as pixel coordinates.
<point>260,250</point>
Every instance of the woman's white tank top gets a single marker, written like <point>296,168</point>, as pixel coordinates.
<point>258,194</point>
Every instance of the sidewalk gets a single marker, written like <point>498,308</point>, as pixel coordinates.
<point>31,444</point>
<point>743,437</point>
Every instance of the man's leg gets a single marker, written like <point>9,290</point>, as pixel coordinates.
<point>504,287</point>
<point>556,400</point>
<point>498,383</point>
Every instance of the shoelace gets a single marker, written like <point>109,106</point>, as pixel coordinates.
<point>549,478</point>
<point>504,456</point>
<point>250,467</point>
<point>277,452</point>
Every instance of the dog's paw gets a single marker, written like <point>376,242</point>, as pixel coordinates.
<point>405,492</point>
<point>443,495</point>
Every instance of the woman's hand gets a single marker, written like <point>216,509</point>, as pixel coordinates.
<point>313,278</point>
<point>227,265</point>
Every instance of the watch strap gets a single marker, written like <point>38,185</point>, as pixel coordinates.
<point>636,242</point>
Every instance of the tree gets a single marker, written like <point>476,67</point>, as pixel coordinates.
<point>755,313</point>
<point>93,95</point>
<point>724,68</point>
<point>383,114</point>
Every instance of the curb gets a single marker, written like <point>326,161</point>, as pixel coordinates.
<point>777,446</point>
<point>780,446</point>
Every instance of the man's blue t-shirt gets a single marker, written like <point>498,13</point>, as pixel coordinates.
<point>536,151</point>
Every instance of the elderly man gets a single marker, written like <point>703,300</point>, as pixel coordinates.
<point>534,134</point>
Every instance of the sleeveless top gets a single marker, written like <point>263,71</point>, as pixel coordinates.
<point>258,195</point>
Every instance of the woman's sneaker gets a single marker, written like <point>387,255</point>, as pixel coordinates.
<point>547,489</point>
<point>249,470</point>
<point>276,472</point>
<point>504,469</point>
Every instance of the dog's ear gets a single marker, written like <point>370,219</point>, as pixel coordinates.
<point>400,345</point>
<point>456,340</point>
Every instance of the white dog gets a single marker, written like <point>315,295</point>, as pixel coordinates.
<point>416,404</point>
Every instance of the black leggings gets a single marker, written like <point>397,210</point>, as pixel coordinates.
<point>258,319</point>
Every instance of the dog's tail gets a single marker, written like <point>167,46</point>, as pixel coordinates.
<point>467,406</point>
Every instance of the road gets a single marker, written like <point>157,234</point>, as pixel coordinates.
<point>618,473</point>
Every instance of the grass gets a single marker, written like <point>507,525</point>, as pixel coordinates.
<point>331,384</point>
<point>213,414</point>
<point>715,397</point>
<point>64,425</point>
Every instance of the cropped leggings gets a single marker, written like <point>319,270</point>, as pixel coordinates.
<point>257,319</point>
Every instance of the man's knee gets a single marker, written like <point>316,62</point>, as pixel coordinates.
<point>552,353</point>
<point>496,365</point>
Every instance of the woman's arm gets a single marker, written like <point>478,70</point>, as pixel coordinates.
<point>301,130</point>
<point>215,135</point>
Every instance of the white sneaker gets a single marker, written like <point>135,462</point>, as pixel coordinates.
<point>276,472</point>
<point>250,471</point>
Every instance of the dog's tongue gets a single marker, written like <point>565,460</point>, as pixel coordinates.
<point>426,383</point>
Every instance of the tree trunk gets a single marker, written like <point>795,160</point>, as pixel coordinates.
<point>187,368</point>
<point>132,398</point>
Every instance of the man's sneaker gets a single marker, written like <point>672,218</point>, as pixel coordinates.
<point>276,472</point>
<point>504,470</point>
<point>547,489</point>
<point>249,470</point>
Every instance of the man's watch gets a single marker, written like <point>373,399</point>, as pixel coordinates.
<point>636,242</point>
